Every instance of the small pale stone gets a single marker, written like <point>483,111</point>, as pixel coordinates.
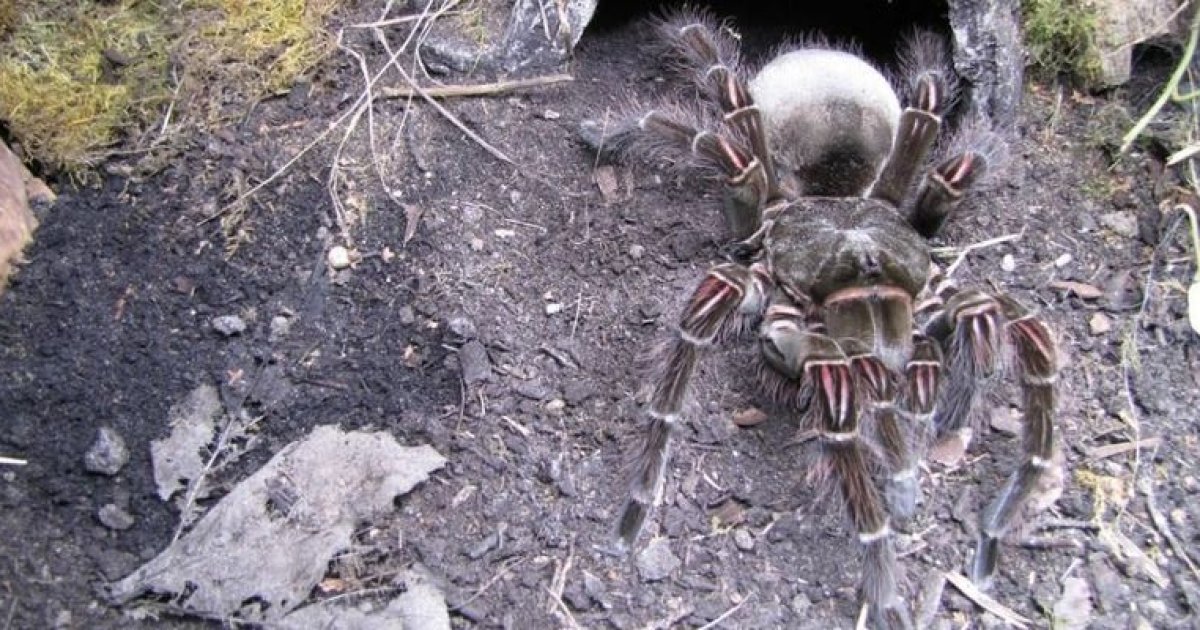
<point>1006,420</point>
<point>555,407</point>
<point>280,326</point>
<point>476,244</point>
<point>1123,223</point>
<point>657,562</point>
<point>339,257</point>
<point>114,517</point>
<point>636,252</point>
<point>1178,517</point>
<point>1008,263</point>
<point>229,325</point>
<point>505,233</point>
<point>1099,324</point>
<point>550,114</point>
<point>1062,261</point>
<point>554,308</point>
<point>108,453</point>
<point>743,539</point>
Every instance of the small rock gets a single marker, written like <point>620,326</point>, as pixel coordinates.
<point>1006,420</point>
<point>1178,517</point>
<point>1099,324</point>
<point>406,315</point>
<point>554,308</point>
<point>1062,261</point>
<point>555,407</point>
<point>579,391</point>
<point>550,114</point>
<point>743,539</point>
<point>657,562</point>
<point>462,328</point>
<point>749,417</point>
<point>229,325</point>
<point>114,517</point>
<point>801,604</point>
<point>1123,223</point>
<point>504,233</point>
<point>63,619</point>
<point>476,244</point>
<point>1008,263</point>
<point>339,257</point>
<point>476,366</point>
<point>108,453</point>
<point>595,589</point>
<point>533,389</point>
<point>281,325</point>
<point>636,252</point>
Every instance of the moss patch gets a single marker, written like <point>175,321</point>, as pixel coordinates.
<point>80,78</point>
<point>1060,37</point>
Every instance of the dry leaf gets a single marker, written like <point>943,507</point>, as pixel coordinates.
<point>1193,301</point>
<point>1073,610</point>
<point>606,181</point>
<point>1083,290</point>
<point>412,219</point>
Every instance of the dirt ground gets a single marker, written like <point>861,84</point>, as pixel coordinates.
<point>506,334</point>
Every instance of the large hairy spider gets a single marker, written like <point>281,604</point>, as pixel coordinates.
<point>833,278</point>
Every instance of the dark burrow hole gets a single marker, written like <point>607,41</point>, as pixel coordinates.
<point>875,25</point>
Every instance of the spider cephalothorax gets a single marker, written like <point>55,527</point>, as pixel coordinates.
<point>832,275</point>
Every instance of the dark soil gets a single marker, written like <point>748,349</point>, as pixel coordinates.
<point>109,325</point>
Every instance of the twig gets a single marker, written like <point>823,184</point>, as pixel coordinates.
<point>727,614</point>
<point>985,601</point>
<point>1170,90</point>
<point>497,153</point>
<point>1101,452</point>
<point>12,461</point>
<point>479,89</point>
<point>1164,528</point>
<point>416,17</point>
<point>962,254</point>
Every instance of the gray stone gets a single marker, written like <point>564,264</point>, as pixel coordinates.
<point>1123,223</point>
<point>1122,23</point>
<point>988,56</point>
<point>657,562</point>
<point>743,539</point>
<point>108,453</point>
<point>281,325</point>
<point>229,325</point>
<point>476,366</point>
<point>462,328</point>
<point>114,517</point>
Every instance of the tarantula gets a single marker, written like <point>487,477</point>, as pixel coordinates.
<point>832,272</point>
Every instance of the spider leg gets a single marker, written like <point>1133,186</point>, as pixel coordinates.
<point>726,303</point>
<point>930,93</point>
<point>812,367</point>
<point>974,151</point>
<point>981,334</point>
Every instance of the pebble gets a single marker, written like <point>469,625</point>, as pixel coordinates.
<point>229,325</point>
<point>108,453</point>
<point>339,257</point>
<point>550,114</point>
<point>281,325</point>
<point>476,244</point>
<point>1123,223</point>
<point>657,562</point>
<point>555,407</point>
<point>476,366</point>
<point>1099,324</point>
<point>743,539</point>
<point>1008,263</point>
<point>462,328</point>
<point>114,517</point>
<point>554,308</point>
<point>636,252</point>
<point>1062,261</point>
<point>801,604</point>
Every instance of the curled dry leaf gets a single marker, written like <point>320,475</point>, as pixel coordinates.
<point>1082,289</point>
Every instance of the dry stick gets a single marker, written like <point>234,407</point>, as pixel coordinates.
<point>985,601</point>
<point>481,89</point>
<point>1160,523</point>
<point>12,461</point>
<point>962,255</point>
<point>1170,90</point>
<point>497,153</point>
<point>1109,450</point>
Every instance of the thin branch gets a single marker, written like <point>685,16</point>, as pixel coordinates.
<point>481,89</point>
<point>497,153</point>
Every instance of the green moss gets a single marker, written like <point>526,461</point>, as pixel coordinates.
<point>1060,37</point>
<point>76,77</point>
<point>80,78</point>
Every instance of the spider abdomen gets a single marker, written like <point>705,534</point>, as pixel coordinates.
<point>830,117</point>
